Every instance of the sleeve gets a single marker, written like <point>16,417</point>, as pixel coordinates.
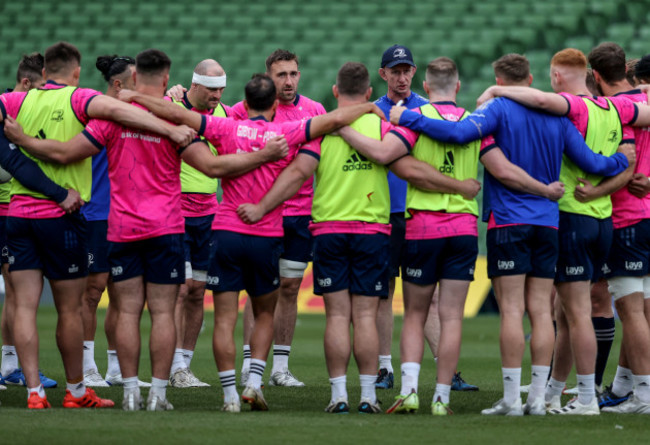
<point>238,112</point>
<point>312,148</point>
<point>296,132</point>
<point>578,151</point>
<point>628,135</point>
<point>479,124</point>
<point>572,103</point>
<point>26,171</point>
<point>408,137</point>
<point>10,103</point>
<point>487,144</point>
<point>214,127</point>
<point>99,132</point>
<point>627,110</point>
<point>81,98</point>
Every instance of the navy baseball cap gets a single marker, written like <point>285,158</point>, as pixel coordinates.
<point>396,55</point>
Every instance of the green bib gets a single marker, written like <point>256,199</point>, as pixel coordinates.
<point>348,186</point>
<point>192,180</point>
<point>5,192</point>
<point>48,114</point>
<point>458,161</point>
<point>604,133</point>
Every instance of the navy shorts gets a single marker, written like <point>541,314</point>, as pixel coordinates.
<point>584,242</point>
<point>158,260</point>
<point>630,253</point>
<point>97,246</point>
<point>197,241</point>
<point>239,261</point>
<point>428,261</point>
<point>397,242</point>
<point>297,239</point>
<point>355,262</point>
<point>522,249</point>
<point>4,259</point>
<point>57,246</point>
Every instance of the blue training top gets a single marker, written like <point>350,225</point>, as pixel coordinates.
<point>397,186</point>
<point>97,208</point>
<point>534,141</point>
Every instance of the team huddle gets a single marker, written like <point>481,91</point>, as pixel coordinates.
<point>119,191</point>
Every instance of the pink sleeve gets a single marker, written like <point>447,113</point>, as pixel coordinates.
<point>488,142</point>
<point>11,103</point>
<point>320,109</point>
<point>229,110</point>
<point>628,133</point>
<point>101,131</point>
<point>295,132</point>
<point>409,137</point>
<point>217,127</point>
<point>312,148</point>
<point>239,112</point>
<point>80,99</point>
<point>626,109</point>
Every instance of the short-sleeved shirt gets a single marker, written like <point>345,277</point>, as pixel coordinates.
<point>23,206</point>
<point>144,172</point>
<point>397,186</point>
<point>233,136</point>
<point>301,108</point>
<point>313,149</point>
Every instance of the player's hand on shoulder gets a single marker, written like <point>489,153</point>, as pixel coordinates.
<point>639,185</point>
<point>250,213</point>
<point>555,190</point>
<point>470,188</point>
<point>396,114</point>
<point>176,92</point>
<point>378,111</point>
<point>72,202</point>
<point>487,95</point>
<point>183,135</point>
<point>126,95</point>
<point>14,131</point>
<point>276,148</point>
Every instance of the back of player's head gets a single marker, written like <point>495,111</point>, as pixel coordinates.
<point>512,68</point>
<point>353,79</point>
<point>111,66</point>
<point>442,74</point>
<point>608,59</point>
<point>570,57</point>
<point>630,71</point>
<point>61,58</point>
<point>280,55</point>
<point>30,67</point>
<point>592,86</point>
<point>642,69</point>
<point>152,62</point>
<point>260,92</point>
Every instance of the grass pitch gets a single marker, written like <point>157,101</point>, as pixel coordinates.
<point>296,414</point>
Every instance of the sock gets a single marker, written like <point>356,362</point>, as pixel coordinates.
<point>178,362</point>
<point>113,367</point>
<point>159,387</point>
<point>368,387</point>
<point>130,383</point>
<point>39,389</point>
<point>586,388</point>
<point>642,387</point>
<point>442,392</point>
<point>9,360</point>
<point>228,385</point>
<point>538,379</point>
<point>622,381</point>
<point>605,329</point>
<point>339,390</point>
<point>410,376</point>
<point>89,357</point>
<point>386,363</point>
<point>246,365</point>
<point>553,388</point>
<point>280,358</point>
<point>76,389</point>
<point>256,373</point>
<point>187,356</point>
<point>511,384</point>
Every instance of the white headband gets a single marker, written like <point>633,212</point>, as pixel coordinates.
<point>209,81</point>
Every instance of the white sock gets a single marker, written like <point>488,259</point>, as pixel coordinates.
<point>623,383</point>
<point>130,383</point>
<point>9,360</point>
<point>39,389</point>
<point>385,362</point>
<point>410,376</point>
<point>642,387</point>
<point>511,384</point>
<point>280,358</point>
<point>553,388</point>
<point>227,379</point>
<point>89,357</point>
<point>539,375</point>
<point>246,365</point>
<point>159,387</point>
<point>368,387</point>
<point>179,361</point>
<point>187,356</point>
<point>339,390</point>
<point>443,392</point>
<point>256,373</point>
<point>76,389</point>
<point>586,388</point>
<point>113,367</point>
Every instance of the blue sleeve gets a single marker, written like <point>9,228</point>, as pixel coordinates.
<point>578,151</point>
<point>26,171</point>
<point>477,125</point>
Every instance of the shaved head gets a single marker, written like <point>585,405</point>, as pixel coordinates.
<point>209,67</point>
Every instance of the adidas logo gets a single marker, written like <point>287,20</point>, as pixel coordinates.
<point>448,165</point>
<point>357,162</point>
<point>643,384</point>
<point>535,374</point>
<point>507,379</point>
